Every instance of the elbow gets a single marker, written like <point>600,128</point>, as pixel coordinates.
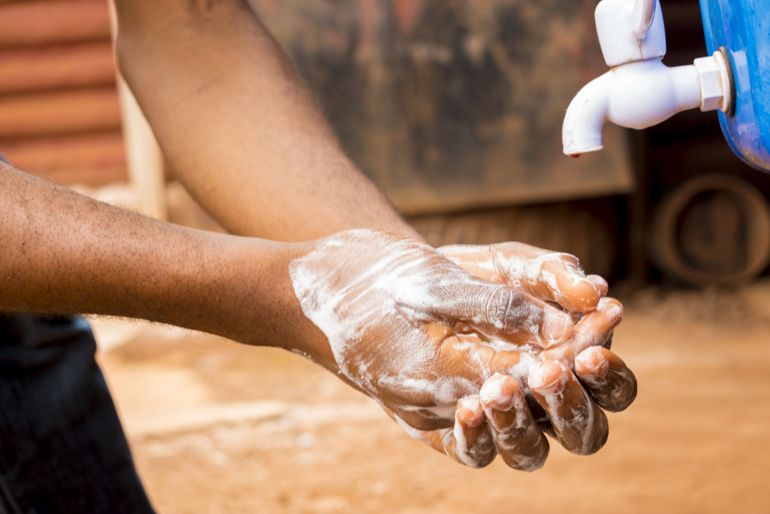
<point>585,119</point>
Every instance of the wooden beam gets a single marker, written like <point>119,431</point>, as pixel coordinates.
<point>47,22</point>
<point>144,159</point>
<point>73,66</point>
<point>143,156</point>
<point>60,112</point>
<point>90,177</point>
<point>90,159</point>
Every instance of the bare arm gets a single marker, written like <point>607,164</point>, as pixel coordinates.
<point>239,126</point>
<point>65,253</point>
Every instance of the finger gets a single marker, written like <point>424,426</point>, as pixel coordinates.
<point>422,419</point>
<point>600,284</point>
<point>594,329</point>
<point>551,276</point>
<point>517,438</point>
<point>579,424</point>
<point>466,356</point>
<point>483,360</point>
<point>606,377</point>
<point>499,311</point>
<point>475,259</point>
<point>469,442</point>
<point>469,357</point>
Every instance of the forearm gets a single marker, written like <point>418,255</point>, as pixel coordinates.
<point>65,253</point>
<point>238,125</point>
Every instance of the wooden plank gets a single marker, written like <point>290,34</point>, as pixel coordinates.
<point>92,177</point>
<point>144,159</point>
<point>67,153</point>
<point>65,112</point>
<point>143,156</point>
<point>51,21</point>
<point>88,64</point>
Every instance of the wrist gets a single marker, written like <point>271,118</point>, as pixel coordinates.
<point>261,295</point>
<point>302,335</point>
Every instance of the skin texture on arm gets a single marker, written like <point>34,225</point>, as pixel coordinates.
<point>65,253</point>
<point>225,103</point>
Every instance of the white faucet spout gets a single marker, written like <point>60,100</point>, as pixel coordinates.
<point>641,94</point>
<point>586,116</point>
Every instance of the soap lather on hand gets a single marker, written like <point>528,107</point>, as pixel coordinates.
<point>475,350</point>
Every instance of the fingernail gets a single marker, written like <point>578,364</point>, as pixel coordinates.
<point>469,411</point>
<point>557,326</point>
<point>611,307</point>
<point>592,361</point>
<point>497,393</point>
<point>599,284</point>
<point>548,377</point>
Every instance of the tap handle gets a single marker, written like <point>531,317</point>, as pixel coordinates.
<point>642,17</point>
<point>630,30</point>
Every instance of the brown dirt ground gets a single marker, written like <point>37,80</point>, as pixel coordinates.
<point>221,428</point>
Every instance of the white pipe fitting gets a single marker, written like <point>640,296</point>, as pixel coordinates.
<point>715,82</point>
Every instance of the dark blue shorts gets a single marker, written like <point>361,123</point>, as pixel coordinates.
<point>62,449</point>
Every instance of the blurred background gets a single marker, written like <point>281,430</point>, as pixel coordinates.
<point>455,109</point>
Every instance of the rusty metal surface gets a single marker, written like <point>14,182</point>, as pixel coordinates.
<point>454,104</point>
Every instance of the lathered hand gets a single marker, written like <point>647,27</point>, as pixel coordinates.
<point>564,394</point>
<point>422,336</point>
<point>395,313</point>
<point>559,278</point>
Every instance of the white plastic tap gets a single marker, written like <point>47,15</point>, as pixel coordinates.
<point>640,91</point>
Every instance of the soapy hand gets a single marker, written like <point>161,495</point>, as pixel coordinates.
<point>557,402</point>
<point>401,322</point>
<point>558,278</point>
<point>422,336</point>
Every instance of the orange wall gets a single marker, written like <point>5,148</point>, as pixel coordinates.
<point>59,113</point>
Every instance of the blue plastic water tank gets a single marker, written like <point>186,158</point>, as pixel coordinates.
<point>742,27</point>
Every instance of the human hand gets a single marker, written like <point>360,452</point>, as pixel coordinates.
<point>500,419</point>
<point>558,278</point>
<point>399,320</point>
